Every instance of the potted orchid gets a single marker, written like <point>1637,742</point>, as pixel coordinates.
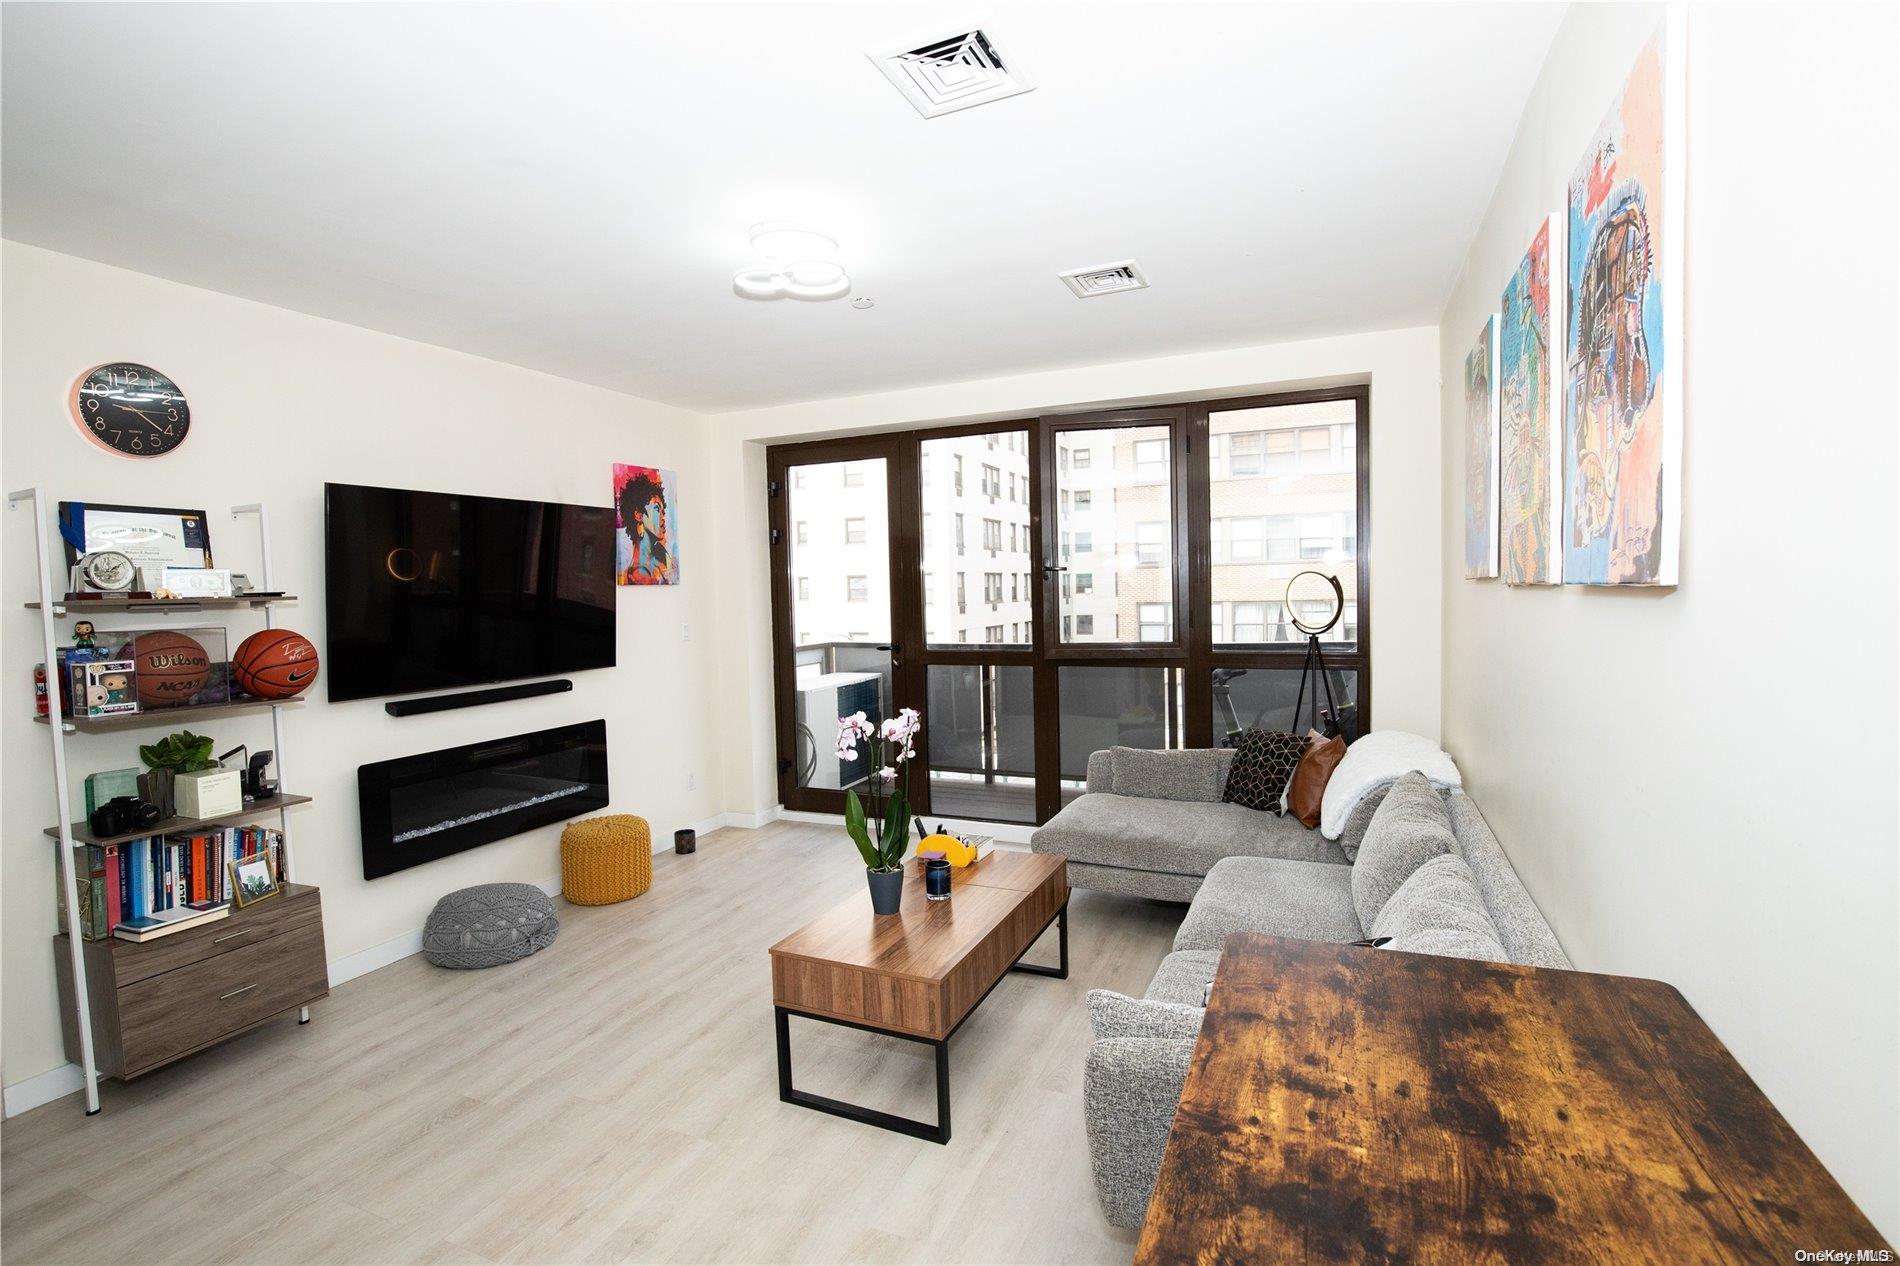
<point>882,833</point>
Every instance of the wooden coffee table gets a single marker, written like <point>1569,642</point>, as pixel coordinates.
<point>919,973</point>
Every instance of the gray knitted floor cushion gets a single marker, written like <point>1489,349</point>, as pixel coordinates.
<point>488,925</point>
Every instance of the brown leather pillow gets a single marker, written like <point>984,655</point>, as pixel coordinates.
<point>1303,794</point>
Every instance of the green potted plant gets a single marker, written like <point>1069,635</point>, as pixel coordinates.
<point>182,753</point>
<point>882,833</point>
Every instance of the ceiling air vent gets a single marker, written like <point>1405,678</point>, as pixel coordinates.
<point>1104,279</point>
<point>954,72</point>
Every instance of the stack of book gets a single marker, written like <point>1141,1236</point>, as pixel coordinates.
<point>163,883</point>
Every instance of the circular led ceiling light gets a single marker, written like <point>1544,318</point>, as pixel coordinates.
<point>801,263</point>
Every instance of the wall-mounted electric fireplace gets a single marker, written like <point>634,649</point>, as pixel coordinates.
<point>418,808</point>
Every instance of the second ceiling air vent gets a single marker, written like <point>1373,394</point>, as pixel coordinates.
<point>952,72</point>
<point>1104,279</point>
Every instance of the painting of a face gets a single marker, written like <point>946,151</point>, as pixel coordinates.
<point>646,536</point>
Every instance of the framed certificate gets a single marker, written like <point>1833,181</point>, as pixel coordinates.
<point>153,537</point>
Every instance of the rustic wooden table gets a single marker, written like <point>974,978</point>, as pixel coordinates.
<point>1356,1105</point>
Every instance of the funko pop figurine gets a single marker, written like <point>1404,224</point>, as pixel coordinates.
<point>83,635</point>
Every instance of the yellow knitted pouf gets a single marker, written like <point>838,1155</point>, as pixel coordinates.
<point>606,859</point>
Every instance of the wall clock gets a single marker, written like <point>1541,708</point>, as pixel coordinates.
<point>129,409</point>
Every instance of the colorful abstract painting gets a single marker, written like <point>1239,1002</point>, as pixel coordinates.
<point>1622,438</point>
<point>646,526</point>
<point>1481,455</point>
<point>1527,410</point>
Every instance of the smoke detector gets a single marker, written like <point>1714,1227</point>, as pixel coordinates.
<point>952,72</point>
<point>1104,279</point>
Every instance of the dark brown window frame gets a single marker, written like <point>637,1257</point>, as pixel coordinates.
<point>1190,651</point>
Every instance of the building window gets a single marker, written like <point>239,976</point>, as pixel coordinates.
<point>1245,540</point>
<point>1013,595</point>
<point>853,475</point>
<point>993,633</point>
<point>993,535</point>
<point>1085,542</point>
<point>857,589</point>
<point>804,589</point>
<point>854,531</point>
<point>1085,582</point>
<point>1156,620</point>
<point>1151,461</point>
<point>962,605</point>
<point>1250,622</point>
<point>956,474</point>
<point>798,476</point>
<point>1085,625</point>
<point>1084,498</point>
<point>798,532</point>
<point>992,586</point>
<point>1083,458</point>
<point>992,482</point>
<point>1151,544</point>
<point>959,526</point>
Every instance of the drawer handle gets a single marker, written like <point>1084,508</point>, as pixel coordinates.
<point>231,936</point>
<point>235,992</point>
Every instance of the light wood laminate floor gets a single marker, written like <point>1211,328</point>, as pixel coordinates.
<point>612,1099</point>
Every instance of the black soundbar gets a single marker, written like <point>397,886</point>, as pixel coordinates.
<point>475,698</point>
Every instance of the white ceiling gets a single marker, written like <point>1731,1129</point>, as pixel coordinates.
<point>568,187</point>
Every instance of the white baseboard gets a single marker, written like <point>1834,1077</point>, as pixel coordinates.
<point>57,1083</point>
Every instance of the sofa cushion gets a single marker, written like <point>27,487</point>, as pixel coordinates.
<point>1439,895</point>
<point>1116,1015</point>
<point>1409,830</point>
<point>1449,943</point>
<point>1171,837</point>
<point>1312,900</point>
<point>1308,784</point>
<point>1263,765</point>
<point>1194,774</point>
<point>1521,926</point>
<point>1183,977</point>
<point>1130,1087</point>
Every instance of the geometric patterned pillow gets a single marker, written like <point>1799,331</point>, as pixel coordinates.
<point>1263,766</point>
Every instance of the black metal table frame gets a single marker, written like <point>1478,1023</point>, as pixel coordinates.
<point>933,1133</point>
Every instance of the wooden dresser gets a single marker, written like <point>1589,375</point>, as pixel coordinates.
<point>157,1001</point>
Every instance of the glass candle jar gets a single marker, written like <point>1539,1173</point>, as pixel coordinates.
<point>937,879</point>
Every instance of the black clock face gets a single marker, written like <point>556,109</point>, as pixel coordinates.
<point>131,409</point>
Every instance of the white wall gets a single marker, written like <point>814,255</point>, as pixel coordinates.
<point>282,402</point>
<point>1690,791</point>
<point>1400,365</point>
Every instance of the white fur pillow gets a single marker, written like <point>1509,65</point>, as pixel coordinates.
<point>1376,761</point>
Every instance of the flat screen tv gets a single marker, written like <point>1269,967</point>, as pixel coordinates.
<point>431,591</point>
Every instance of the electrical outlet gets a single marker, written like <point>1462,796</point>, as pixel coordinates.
<point>692,780</point>
<point>686,632</point>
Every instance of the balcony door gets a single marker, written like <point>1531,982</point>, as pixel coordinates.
<point>837,511</point>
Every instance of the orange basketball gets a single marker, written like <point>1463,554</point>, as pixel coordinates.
<point>274,664</point>
<point>171,668</point>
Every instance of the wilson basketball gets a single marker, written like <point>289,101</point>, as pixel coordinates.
<point>274,664</point>
<point>171,668</point>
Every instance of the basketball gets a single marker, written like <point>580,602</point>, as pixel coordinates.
<point>274,664</point>
<point>171,668</point>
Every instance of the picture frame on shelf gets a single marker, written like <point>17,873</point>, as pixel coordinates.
<point>253,879</point>
<point>152,537</point>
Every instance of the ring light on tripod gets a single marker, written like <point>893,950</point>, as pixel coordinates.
<point>1321,588</point>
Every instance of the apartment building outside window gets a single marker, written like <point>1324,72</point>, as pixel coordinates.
<point>993,535</point>
<point>1157,621</point>
<point>857,589</point>
<point>854,531</point>
<point>992,586</point>
<point>853,475</point>
<point>1151,544</point>
<point>1151,461</point>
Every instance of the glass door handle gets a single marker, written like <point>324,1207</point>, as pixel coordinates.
<point>1053,567</point>
<point>897,652</point>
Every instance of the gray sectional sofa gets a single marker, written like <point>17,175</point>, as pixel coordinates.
<point>1260,873</point>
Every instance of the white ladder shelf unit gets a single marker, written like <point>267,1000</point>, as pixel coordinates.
<point>51,609</point>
